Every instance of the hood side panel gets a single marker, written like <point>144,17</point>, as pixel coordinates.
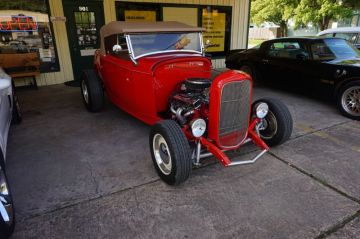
<point>169,74</point>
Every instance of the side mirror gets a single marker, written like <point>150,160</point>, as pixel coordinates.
<point>117,49</point>
<point>301,56</point>
<point>208,44</point>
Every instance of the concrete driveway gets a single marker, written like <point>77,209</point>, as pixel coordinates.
<point>81,175</point>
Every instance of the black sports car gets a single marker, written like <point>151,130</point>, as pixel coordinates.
<point>329,64</point>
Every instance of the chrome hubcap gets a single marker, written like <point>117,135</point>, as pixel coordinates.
<point>6,207</point>
<point>162,154</point>
<point>270,126</point>
<point>85,92</point>
<point>351,101</point>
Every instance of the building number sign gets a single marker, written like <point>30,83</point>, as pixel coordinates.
<point>83,8</point>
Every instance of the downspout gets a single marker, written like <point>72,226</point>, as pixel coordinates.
<point>248,25</point>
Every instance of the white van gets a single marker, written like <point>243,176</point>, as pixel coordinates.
<point>351,34</point>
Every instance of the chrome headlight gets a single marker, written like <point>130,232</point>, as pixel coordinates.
<point>198,127</point>
<point>261,110</point>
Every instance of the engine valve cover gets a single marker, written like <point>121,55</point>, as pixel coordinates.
<point>197,84</point>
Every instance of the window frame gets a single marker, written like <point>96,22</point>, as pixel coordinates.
<point>125,53</point>
<point>121,6</point>
<point>302,46</point>
<point>48,67</point>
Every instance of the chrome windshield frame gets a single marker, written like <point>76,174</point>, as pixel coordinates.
<point>135,58</point>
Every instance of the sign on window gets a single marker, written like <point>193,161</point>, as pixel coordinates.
<point>134,15</point>
<point>214,24</point>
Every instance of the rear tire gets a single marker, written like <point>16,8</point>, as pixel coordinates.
<point>251,71</point>
<point>92,91</point>
<point>248,70</point>
<point>348,100</point>
<point>6,228</point>
<point>278,123</point>
<point>170,152</point>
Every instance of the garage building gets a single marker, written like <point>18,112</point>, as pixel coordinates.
<point>65,33</point>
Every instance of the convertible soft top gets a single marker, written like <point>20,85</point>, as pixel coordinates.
<point>118,27</point>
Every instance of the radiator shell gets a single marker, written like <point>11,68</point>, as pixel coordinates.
<point>230,109</point>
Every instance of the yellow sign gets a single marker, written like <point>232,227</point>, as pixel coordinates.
<point>214,24</point>
<point>140,16</point>
<point>185,15</point>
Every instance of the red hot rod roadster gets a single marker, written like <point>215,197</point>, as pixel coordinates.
<point>157,72</point>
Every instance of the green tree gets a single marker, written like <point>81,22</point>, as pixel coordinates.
<point>303,12</point>
<point>276,11</point>
<point>321,12</point>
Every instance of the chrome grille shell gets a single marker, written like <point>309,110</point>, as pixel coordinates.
<point>234,113</point>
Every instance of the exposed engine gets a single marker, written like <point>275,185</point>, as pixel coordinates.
<point>192,99</point>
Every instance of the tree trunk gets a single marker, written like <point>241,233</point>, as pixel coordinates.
<point>324,23</point>
<point>283,29</point>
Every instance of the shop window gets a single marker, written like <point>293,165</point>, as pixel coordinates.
<point>217,24</point>
<point>215,19</point>
<point>85,28</point>
<point>25,27</point>
<point>177,14</point>
<point>127,11</point>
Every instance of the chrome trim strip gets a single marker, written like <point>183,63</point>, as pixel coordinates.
<point>134,58</point>
<point>158,52</point>
<point>130,48</point>
<point>248,161</point>
<point>205,155</point>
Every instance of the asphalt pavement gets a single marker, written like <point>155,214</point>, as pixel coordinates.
<point>80,175</point>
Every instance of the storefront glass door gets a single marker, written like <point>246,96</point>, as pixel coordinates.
<point>83,22</point>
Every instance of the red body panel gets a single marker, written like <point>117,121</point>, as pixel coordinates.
<point>168,74</point>
<point>143,90</point>
<point>221,156</point>
<point>214,109</point>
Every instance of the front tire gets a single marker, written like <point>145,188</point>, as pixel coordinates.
<point>348,100</point>
<point>92,91</point>
<point>7,212</point>
<point>170,152</point>
<point>277,124</point>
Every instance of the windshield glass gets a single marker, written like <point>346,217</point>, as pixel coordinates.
<point>332,49</point>
<point>145,44</point>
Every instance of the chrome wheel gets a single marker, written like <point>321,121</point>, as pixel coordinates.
<point>269,126</point>
<point>85,91</point>
<point>162,154</point>
<point>6,205</point>
<point>350,100</point>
